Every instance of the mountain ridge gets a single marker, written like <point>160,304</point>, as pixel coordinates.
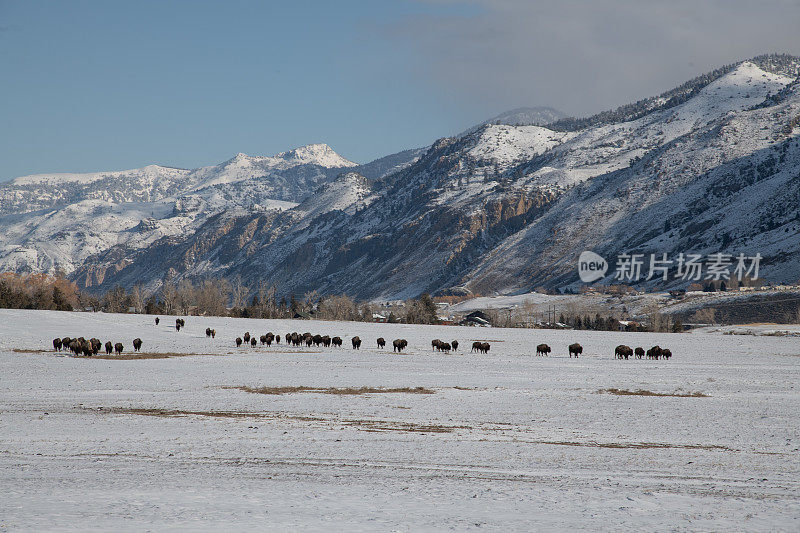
<point>501,208</point>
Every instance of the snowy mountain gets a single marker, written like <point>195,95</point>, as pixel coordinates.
<point>710,166</point>
<point>55,222</point>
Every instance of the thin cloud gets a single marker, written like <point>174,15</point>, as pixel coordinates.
<point>585,56</point>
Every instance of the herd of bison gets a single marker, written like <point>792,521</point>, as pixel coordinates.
<point>88,347</point>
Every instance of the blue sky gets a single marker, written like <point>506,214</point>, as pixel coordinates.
<point>105,85</point>
<point>112,85</point>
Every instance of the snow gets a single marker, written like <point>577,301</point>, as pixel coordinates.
<point>520,442</point>
<point>505,144</point>
<point>349,192</point>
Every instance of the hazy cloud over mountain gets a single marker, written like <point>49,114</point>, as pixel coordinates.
<point>584,56</point>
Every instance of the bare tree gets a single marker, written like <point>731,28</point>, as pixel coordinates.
<point>186,296</point>
<point>169,294</point>
<point>212,297</point>
<point>239,292</point>
<point>338,308</point>
<point>137,299</point>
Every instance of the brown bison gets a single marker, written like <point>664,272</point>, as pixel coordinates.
<point>65,342</point>
<point>356,343</point>
<point>238,341</point>
<point>445,347</point>
<point>208,332</point>
<point>666,354</point>
<point>247,336</point>
<point>57,344</point>
<point>157,321</point>
<point>109,347</point>
<point>381,342</point>
<point>95,345</point>
<point>654,352</point>
<point>326,341</point>
<point>575,349</point>
<point>118,348</point>
<point>277,339</point>
<point>253,342</point>
<point>137,344</point>
<point>398,345</point>
<point>543,350</point>
<point>639,351</point>
<point>481,347</point>
<point>179,323</point>
<point>337,341</point>
<point>622,352</point>
<point>455,345</point>
<point>435,343</point>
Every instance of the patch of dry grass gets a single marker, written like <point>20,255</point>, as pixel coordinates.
<point>361,424</point>
<point>344,391</point>
<point>642,392</point>
<point>636,445</point>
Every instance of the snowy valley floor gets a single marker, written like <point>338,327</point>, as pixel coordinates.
<point>505,441</point>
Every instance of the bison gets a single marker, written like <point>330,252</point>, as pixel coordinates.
<point>444,347</point>
<point>622,352</point>
<point>356,342</point>
<point>666,354</point>
<point>179,323</point>
<point>157,321</point>
<point>337,341</point>
<point>118,348</point>
<point>381,342</point>
<point>455,345</point>
<point>95,345</point>
<point>575,349</point>
<point>476,346</point>
<point>208,332</point>
<point>435,343</point>
<point>326,341</point>
<point>109,347</point>
<point>398,345</point>
<point>543,350</point>
<point>137,344</point>
<point>238,341</point>
<point>253,342</point>
<point>277,339</point>
<point>654,352</point>
<point>639,351</point>
<point>57,344</point>
<point>247,336</point>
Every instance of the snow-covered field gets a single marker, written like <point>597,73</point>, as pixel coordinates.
<point>505,441</point>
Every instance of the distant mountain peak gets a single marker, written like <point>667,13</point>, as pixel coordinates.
<point>317,154</point>
<point>521,116</point>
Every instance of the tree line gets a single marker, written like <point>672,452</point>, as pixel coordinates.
<point>212,296</point>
